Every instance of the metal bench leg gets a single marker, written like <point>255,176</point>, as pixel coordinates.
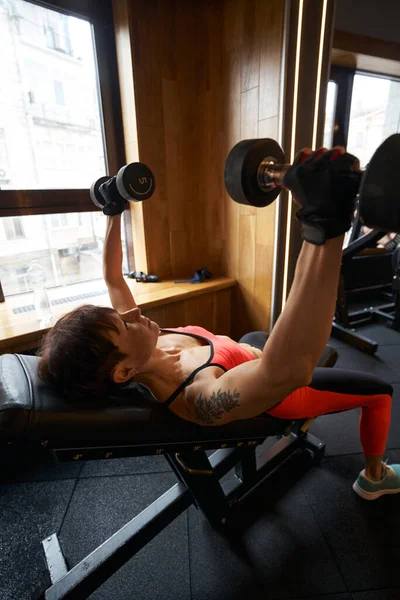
<point>195,470</point>
<point>246,469</point>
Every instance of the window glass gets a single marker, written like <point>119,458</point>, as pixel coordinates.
<point>50,123</point>
<point>67,246</point>
<point>374,116</point>
<point>330,110</point>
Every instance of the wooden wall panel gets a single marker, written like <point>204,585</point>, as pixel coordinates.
<point>251,231</point>
<point>222,312</point>
<point>265,239</point>
<point>127,90</point>
<point>270,14</point>
<point>206,75</point>
<point>211,311</point>
<point>200,311</point>
<point>251,39</point>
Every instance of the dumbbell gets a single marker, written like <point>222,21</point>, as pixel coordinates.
<point>134,182</point>
<point>255,169</point>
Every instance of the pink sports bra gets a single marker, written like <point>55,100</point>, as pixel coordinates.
<point>224,353</point>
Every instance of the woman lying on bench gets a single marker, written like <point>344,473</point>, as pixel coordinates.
<point>212,380</point>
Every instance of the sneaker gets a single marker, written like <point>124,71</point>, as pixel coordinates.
<point>371,489</point>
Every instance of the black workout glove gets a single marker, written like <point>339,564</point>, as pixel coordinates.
<point>325,185</point>
<point>114,203</point>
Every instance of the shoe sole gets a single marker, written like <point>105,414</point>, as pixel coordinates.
<point>372,495</point>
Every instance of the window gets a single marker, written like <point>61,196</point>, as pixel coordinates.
<point>59,92</point>
<point>68,248</point>
<point>58,72</point>
<point>13,228</point>
<point>330,114</point>
<point>360,139</point>
<point>59,220</point>
<point>374,114</point>
<point>367,111</point>
<point>59,35</point>
<point>4,162</point>
<point>51,99</point>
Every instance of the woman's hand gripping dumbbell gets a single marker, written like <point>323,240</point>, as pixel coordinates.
<point>324,184</point>
<point>133,183</point>
<point>256,171</point>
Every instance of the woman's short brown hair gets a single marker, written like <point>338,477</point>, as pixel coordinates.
<point>78,356</point>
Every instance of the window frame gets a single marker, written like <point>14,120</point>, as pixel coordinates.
<point>47,201</point>
<point>343,77</point>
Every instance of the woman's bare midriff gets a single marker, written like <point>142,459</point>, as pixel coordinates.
<point>256,352</point>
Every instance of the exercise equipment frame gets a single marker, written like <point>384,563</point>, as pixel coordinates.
<point>198,484</point>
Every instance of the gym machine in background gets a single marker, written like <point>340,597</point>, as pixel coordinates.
<point>370,274</point>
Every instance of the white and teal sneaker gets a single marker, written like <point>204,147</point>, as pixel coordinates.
<point>371,489</point>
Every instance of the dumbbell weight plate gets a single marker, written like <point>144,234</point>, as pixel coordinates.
<point>135,182</point>
<point>95,195</point>
<point>241,171</point>
<point>380,188</point>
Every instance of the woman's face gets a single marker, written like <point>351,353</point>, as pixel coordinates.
<point>137,337</point>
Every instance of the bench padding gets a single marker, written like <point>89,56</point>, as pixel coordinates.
<point>30,410</point>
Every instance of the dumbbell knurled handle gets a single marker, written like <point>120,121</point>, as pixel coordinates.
<point>271,173</point>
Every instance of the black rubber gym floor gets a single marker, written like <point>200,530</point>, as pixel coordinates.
<point>305,534</point>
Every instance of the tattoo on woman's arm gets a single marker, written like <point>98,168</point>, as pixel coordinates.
<point>208,410</point>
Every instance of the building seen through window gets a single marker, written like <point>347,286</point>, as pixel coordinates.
<point>50,100</point>
<point>330,109</point>
<point>68,246</point>
<point>374,116</point>
<point>51,137</point>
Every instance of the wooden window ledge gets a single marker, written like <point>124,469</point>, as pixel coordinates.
<point>21,331</point>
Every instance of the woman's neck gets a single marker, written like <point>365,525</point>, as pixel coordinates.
<point>161,372</point>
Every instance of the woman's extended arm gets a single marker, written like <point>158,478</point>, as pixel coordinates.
<point>120,295</point>
<point>302,331</point>
<point>325,190</point>
<point>291,353</point>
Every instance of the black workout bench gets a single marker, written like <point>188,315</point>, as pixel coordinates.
<point>34,420</point>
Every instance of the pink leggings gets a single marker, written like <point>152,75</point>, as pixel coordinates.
<point>336,390</point>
